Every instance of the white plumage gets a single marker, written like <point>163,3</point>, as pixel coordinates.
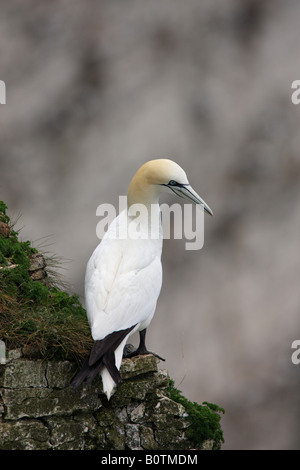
<point>122,285</point>
<point>124,274</point>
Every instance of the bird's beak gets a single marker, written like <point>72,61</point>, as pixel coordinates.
<point>186,191</point>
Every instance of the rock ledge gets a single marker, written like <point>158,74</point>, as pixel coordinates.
<point>39,410</point>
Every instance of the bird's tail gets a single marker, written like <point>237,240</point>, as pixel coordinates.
<point>105,357</point>
<point>109,381</point>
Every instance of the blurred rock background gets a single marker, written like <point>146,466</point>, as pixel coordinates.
<point>94,89</point>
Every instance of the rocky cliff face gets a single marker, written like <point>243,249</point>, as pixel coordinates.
<point>39,410</point>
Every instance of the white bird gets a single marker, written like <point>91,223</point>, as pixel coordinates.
<point>124,274</point>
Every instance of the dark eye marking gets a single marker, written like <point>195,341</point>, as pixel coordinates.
<point>173,183</point>
<point>178,185</point>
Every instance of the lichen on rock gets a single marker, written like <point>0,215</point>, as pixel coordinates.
<point>141,415</point>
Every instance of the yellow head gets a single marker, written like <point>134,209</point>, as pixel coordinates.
<point>157,176</point>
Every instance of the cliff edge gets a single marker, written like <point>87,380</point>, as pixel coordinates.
<point>39,410</point>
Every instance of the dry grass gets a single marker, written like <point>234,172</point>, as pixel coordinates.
<point>38,317</point>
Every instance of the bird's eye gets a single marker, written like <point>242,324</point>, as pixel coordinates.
<point>172,183</point>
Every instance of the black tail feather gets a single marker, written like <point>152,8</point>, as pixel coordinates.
<point>102,355</point>
<point>81,375</point>
<point>93,372</point>
<point>109,343</point>
<point>109,362</point>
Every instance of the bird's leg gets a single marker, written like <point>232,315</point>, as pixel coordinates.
<point>141,348</point>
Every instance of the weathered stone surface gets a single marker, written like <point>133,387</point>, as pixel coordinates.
<point>138,365</point>
<point>67,433</point>
<point>21,374</point>
<point>40,402</point>
<point>208,444</point>
<point>132,437</point>
<point>148,441</point>
<point>39,410</point>
<point>138,413</point>
<point>24,435</point>
<point>37,269</point>
<point>4,229</point>
<point>37,262</point>
<point>167,408</point>
<point>13,354</point>
<point>59,374</point>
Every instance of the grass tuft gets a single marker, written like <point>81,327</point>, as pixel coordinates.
<point>36,315</point>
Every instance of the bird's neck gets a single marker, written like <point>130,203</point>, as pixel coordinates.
<point>140,192</point>
<point>143,209</point>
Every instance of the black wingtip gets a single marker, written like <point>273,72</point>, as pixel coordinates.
<point>102,355</point>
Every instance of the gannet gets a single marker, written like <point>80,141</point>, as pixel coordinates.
<point>124,274</point>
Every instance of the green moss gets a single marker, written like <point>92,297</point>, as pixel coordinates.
<point>3,216</point>
<point>42,319</point>
<point>204,419</point>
